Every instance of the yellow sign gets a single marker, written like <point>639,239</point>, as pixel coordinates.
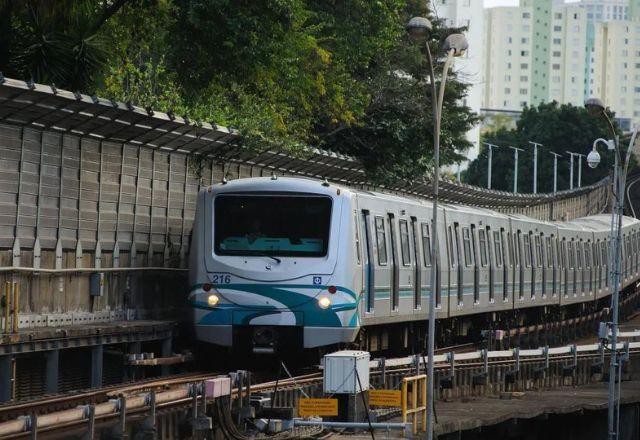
<point>385,398</point>
<point>317,407</point>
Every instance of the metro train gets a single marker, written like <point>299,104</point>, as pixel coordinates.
<point>280,264</point>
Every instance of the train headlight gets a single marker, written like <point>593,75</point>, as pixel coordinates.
<point>324,302</point>
<point>213,300</point>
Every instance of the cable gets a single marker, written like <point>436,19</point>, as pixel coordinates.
<point>366,407</point>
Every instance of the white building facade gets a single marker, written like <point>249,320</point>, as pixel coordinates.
<point>470,67</point>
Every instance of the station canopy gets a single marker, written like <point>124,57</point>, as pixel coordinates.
<point>46,107</point>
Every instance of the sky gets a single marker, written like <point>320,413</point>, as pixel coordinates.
<point>491,3</point>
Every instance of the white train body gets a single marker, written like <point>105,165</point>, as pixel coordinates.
<point>292,262</point>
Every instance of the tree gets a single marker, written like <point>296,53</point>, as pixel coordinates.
<point>55,42</point>
<point>560,128</point>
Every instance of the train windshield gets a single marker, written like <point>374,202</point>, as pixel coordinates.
<point>273,225</point>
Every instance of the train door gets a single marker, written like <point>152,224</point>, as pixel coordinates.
<point>395,266</point>
<point>512,243</point>
<point>580,267</point>
<point>382,281</point>
<point>525,261</point>
<point>460,263</point>
<point>486,254</point>
<point>604,249</point>
<point>521,263</point>
<point>597,256</point>
<point>571,261</point>
<point>417,265</point>
<point>406,271</point>
<point>475,264</point>
<point>369,262</point>
<point>427,257</point>
<point>565,268</point>
<point>502,277</point>
<point>588,265</point>
<point>538,272</point>
<point>552,266</point>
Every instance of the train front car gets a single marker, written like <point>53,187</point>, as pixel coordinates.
<point>269,265</point>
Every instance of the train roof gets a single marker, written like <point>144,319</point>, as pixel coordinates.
<point>596,223</point>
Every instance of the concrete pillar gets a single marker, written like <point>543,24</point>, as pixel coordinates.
<point>51,380</point>
<point>166,351</point>
<point>97,354</point>
<point>6,373</point>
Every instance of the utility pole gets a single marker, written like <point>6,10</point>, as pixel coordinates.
<point>489,162</point>
<point>535,165</point>
<point>570,169</point>
<point>580,156</point>
<point>555,171</point>
<point>515,168</point>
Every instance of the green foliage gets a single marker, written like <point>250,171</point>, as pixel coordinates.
<point>560,128</point>
<point>336,74</point>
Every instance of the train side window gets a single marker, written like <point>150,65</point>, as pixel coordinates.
<point>539,256</point>
<point>482,239</point>
<point>356,233</point>
<point>527,250</point>
<point>510,249</point>
<point>579,254</point>
<point>466,243</point>
<point>452,254</point>
<point>404,243</point>
<point>426,244</point>
<point>549,247</point>
<point>381,241</point>
<point>587,256</point>
<point>497,243</point>
<point>572,255</point>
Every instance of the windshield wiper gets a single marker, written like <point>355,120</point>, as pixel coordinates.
<point>258,254</point>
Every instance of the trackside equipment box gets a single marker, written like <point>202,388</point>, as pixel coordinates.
<point>342,370</point>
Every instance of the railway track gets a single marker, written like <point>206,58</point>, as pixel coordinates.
<point>50,404</point>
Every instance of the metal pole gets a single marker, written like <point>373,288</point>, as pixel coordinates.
<point>535,165</point>
<point>458,175</point>
<point>437,111</point>
<point>580,156</point>
<point>489,162</point>
<point>515,168</point>
<point>555,171</point>
<point>570,170</point>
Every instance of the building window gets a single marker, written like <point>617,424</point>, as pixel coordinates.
<point>557,41</point>
<point>524,53</point>
<point>555,66</point>
<point>524,66</point>
<point>507,91</point>
<point>557,29</point>
<point>524,78</point>
<point>556,53</point>
<point>557,15</point>
<point>526,15</point>
<point>507,78</point>
<point>524,40</point>
<point>523,91</point>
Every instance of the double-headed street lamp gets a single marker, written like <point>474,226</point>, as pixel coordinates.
<point>515,168</point>
<point>555,170</point>
<point>535,165</point>
<point>596,107</point>
<point>454,45</point>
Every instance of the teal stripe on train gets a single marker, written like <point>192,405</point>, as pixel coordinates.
<point>304,307</point>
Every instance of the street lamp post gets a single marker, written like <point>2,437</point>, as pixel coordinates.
<point>570,168</point>
<point>535,165</point>
<point>580,156</point>
<point>596,107</point>
<point>454,45</point>
<point>555,171</point>
<point>515,168</point>
<point>489,162</point>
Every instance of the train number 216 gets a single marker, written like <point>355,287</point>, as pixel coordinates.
<point>221,279</point>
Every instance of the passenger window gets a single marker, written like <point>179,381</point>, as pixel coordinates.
<point>404,243</point>
<point>587,255</point>
<point>426,244</point>
<point>357,236</point>
<point>381,241</point>
<point>579,254</point>
<point>482,238</point>
<point>497,242</point>
<point>452,254</point>
<point>572,256</point>
<point>466,242</point>
<point>527,250</point>
<point>549,251</point>
<point>538,242</point>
